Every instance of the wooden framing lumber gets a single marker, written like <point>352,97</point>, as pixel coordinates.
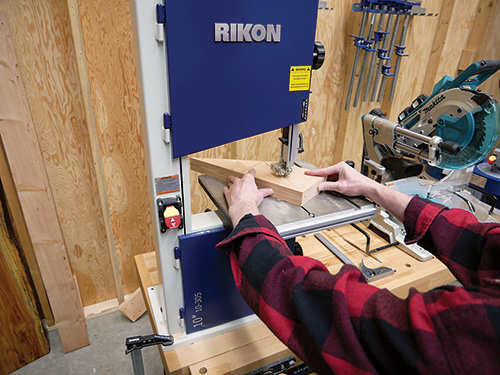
<point>15,214</point>
<point>27,167</point>
<point>297,188</point>
<point>18,311</point>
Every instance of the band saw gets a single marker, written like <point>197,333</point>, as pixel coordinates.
<point>211,73</point>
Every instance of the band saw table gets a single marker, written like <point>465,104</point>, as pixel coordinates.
<point>246,349</point>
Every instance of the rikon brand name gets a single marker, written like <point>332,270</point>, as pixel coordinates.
<point>247,32</point>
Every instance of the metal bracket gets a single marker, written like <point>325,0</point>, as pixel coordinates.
<point>181,318</point>
<point>383,223</point>
<point>167,128</point>
<point>160,23</point>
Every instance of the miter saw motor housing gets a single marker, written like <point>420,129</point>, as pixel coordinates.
<point>455,127</point>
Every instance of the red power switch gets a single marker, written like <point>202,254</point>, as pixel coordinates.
<point>169,213</point>
<point>172,217</point>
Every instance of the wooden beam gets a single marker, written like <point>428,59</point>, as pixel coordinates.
<point>21,233</point>
<point>18,311</point>
<point>23,154</point>
<point>297,188</point>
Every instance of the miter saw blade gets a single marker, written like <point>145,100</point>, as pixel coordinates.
<point>464,116</point>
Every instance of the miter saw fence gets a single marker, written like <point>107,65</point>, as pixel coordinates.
<point>455,127</point>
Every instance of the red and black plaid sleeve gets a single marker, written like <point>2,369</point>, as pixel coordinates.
<point>340,324</point>
<point>470,249</point>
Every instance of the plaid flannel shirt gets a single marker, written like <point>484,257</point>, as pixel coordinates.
<point>341,324</point>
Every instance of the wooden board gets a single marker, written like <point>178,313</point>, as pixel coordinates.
<point>296,188</point>
<point>21,234</point>
<point>25,160</point>
<point>22,337</point>
<point>133,307</point>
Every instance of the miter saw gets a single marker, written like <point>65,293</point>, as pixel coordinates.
<point>454,128</point>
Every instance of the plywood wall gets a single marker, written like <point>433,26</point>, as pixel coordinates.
<point>107,41</point>
<point>94,155</point>
<point>45,50</point>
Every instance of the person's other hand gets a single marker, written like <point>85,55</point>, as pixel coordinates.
<point>344,179</point>
<point>243,196</point>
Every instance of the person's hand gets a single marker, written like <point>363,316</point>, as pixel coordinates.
<point>345,180</point>
<point>243,196</point>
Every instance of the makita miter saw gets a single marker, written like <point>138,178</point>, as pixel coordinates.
<point>455,127</point>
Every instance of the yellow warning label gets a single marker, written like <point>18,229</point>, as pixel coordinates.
<point>300,78</point>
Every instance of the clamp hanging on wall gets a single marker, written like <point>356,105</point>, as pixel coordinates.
<point>375,42</point>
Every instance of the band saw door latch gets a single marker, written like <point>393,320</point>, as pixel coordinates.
<point>170,213</point>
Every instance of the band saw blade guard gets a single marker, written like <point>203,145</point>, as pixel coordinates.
<point>458,112</point>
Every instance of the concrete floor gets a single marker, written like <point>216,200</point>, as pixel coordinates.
<point>104,355</point>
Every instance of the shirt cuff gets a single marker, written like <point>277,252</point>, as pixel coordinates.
<point>419,215</point>
<point>249,224</point>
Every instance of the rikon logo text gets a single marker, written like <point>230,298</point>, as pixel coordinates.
<point>247,32</point>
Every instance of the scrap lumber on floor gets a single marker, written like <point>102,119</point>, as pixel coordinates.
<point>134,306</point>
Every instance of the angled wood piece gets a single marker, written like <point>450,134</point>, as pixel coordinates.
<point>134,306</point>
<point>297,188</point>
<point>22,151</point>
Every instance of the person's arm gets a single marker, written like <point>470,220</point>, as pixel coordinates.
<point>346,180</point>
<point>339,323</point>
<point>468,248</point>
<point>243,197</point>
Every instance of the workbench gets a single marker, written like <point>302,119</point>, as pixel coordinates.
<point>251,347</point>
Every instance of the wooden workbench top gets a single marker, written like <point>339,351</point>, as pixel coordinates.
<point>251,347</point>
